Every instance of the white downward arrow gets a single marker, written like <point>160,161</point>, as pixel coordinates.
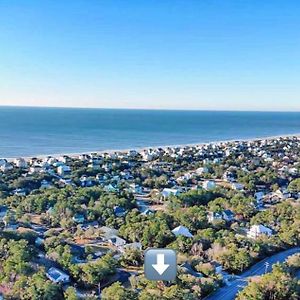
<point>160,265</point>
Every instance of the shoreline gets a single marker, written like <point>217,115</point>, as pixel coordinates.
<point>140,149</point>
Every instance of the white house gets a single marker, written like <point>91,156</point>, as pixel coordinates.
<point>258,230</point>
<point>182,230</point>
<point>57,276</point>
<point>209,185</point>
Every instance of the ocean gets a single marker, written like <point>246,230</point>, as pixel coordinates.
<point>42,131</point>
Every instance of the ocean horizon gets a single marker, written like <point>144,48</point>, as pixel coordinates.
<point>33,131</point>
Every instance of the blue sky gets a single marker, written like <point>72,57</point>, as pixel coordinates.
<point>202,54</point>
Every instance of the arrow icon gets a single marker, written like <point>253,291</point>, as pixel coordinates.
<point>160,265</point>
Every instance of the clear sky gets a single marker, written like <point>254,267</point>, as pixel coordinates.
<point>188,54</point>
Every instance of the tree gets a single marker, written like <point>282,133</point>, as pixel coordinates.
<point>279,285</point>
<point>37,287</point>
<point>132,257</point>
<point>294,186</point>
<point>95,271</point>
<point>70,294</point>
<point>117,292</point>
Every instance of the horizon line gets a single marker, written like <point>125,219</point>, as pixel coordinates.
<point>149,109</point>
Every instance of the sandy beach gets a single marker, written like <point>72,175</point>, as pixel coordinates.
<point>141,149</point>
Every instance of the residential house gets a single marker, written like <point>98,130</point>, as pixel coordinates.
<point>259,230</point>
<point>133,246</point>
<point>3,212</point>
<point>35,169</point>
<point>187,269</point>
<point>64,170</point>
<point>209,185</point>
<point>237,186</point>
<point>6,167</point>
<point>45,184</point>
<point>201,171</point>
<point>57,276</point>
<point>21,163</point>
<point>108,232</point>
<point>66,181</point>
<point>39,241</point>
<point>20,192</point>
<point>110,188</point>
<point>79,218</point>
<point>214,216</point>
<point>228,215</point>
<point>167,192</point>
<point>135,188</point>
<point>119,211</point>
<point>117,241</point>
<point>182,230</point>
<point>85,181</point>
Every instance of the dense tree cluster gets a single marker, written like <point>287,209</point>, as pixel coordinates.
<point>280,284</point>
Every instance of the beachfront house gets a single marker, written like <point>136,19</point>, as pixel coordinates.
<point>20,163</point>
<point>57,276</point>
<point>3,161</point>
<point>6,167</point>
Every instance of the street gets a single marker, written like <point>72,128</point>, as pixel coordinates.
<point>230,292</point>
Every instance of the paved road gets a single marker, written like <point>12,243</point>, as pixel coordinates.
<point>230,292</point>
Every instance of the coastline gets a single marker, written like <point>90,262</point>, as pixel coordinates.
<point>140,149</point>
